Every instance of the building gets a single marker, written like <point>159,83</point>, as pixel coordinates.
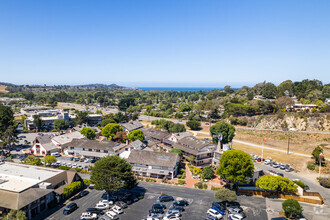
<point>175,137</point>
<point>154,137</point>
<point>124,150</point>
<point>131,126</point>
<point>304,107</point>
<point>31,188</point>
<point>48,117</point>
<point>63,139</point>
<point>43,145</point>
<point>90,148</point>
<point>94,119</point>
<point>201,150</point>
<point>154,164</point>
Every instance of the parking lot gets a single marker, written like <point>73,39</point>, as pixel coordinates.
<point>199,202</point>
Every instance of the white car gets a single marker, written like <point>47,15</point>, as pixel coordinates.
<point>106,202</point>
<point>235,217</point>
<point>117,210</point>
<point>74,165</point>
<point>63,164</point>
<point>214,213</point>
<point>267,162</point>
<point>101,206</point>
<point>88,215</point>
<point>171,217</point>
<point>112,215</point>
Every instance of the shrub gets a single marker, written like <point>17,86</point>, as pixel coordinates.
<point>205,186</point>
<point>215,188</point>
<point>164,180</point>
<point>207,173</point>
<point>291,208</point>
<point>64,167</point>
<point>325,182</point>
<point>181,182</point>
<point>311,166</point>
<point>78,170</point>
<point>199,185</point>
<point>71,188</point>
<point>299,183</point>
<point>225,194</point>
<point>87,182</point>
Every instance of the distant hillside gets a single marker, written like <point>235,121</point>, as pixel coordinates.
<point>97,85</point>
<point>3,89</point>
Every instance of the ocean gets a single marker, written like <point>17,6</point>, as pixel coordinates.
<point>178,88</point>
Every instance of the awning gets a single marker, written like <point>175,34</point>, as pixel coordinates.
<point>91,154</point>
<point>151,171</point>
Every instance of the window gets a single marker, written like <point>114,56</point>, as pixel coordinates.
<point>105,151</point>
<point>97,150</point>
<point>71,148</point>
<point>83,149</point>
<point>89,149</point>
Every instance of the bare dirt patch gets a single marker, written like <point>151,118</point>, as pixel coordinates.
<point>3,89</point>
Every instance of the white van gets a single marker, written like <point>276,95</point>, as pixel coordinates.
<point>57,154</point>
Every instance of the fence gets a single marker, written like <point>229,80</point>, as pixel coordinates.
<point>283,196</point>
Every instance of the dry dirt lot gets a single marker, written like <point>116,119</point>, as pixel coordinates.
<point>3,89</point>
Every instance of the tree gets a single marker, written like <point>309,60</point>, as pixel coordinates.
<point>291,208</point>
<point>49,160</point>
<point>112,174</point>
<point>8,133</point>
<point>15,215</point>
<point>225,194</point>
<point>235,165</point>
<point>177,151</point>
<point>316,155</point>
<point>120,137</point>
<point>126,102</point>
<point>207,173</point>
<point>38,123</point>
<point>177,127</point>
<point>31,160</point>
<point>227,130</point>
<point>285,87</point>
<point>270,91</point>
<point>136,135</point>
<point>88,132</point>
<point>110,130</point>
<point>228,89</point>
<point>194,125</point>
<point>284,102</point>
<point>61,124</point>
<point>81,118</point>
<point>276,183</point>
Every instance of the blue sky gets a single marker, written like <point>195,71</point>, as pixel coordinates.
<point>164,42</point>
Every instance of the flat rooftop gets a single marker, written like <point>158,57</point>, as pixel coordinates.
<point>18,177</point>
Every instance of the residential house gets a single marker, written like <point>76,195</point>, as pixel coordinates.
<point>90,148</point>
<point>154,164</point>
<point>94,119</point>
<point>124,151</point>
<point>43,145</point>
<point>304,107</point>
<point>202,150</point>
<point>154,137</point>
<point>131,126</point>
<point>63,139</point>
<point>31,188</point>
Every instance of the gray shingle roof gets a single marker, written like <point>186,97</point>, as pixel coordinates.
<point>137,144</point>
<point>46,142</point>
<point>192,142</point>
<point>132,125</point>
<point>153,158</point>
<point>91,144</point>
<point>155,134</point>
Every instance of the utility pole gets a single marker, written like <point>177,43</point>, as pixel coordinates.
<point>288,142</point>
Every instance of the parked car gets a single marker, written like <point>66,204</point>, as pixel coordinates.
<point>94,210</point>
<point>88,215</point>
<point>118,210</point>
<point>70,208</point>
<point>121,204</point>
<point>214,213</point>
<point>237,211</point>
<point>276,165</point>
<point>280,174</point>
<point>179,208</point>
<point>112,215</point>
<point>209,217</point>
<point>102,206</point>
<point>71,158</point>
<point>158,206</point>
<point>267,162</point>
<point>157,211</point>
<point>166,198</point>
<point>219,208</point>
<point>172,217</point>
<point>74,165</point>
<point>181,203</point>
<point>107,202</point>
<point>153,216</point>
<point>290,169</point>
<point>104,217</point>
<point>82,193</point>
<point>176,212</point>
<point>235,217</point>
<point>80,166</point>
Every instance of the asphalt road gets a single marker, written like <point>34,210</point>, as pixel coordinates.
<point>200,201</point>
